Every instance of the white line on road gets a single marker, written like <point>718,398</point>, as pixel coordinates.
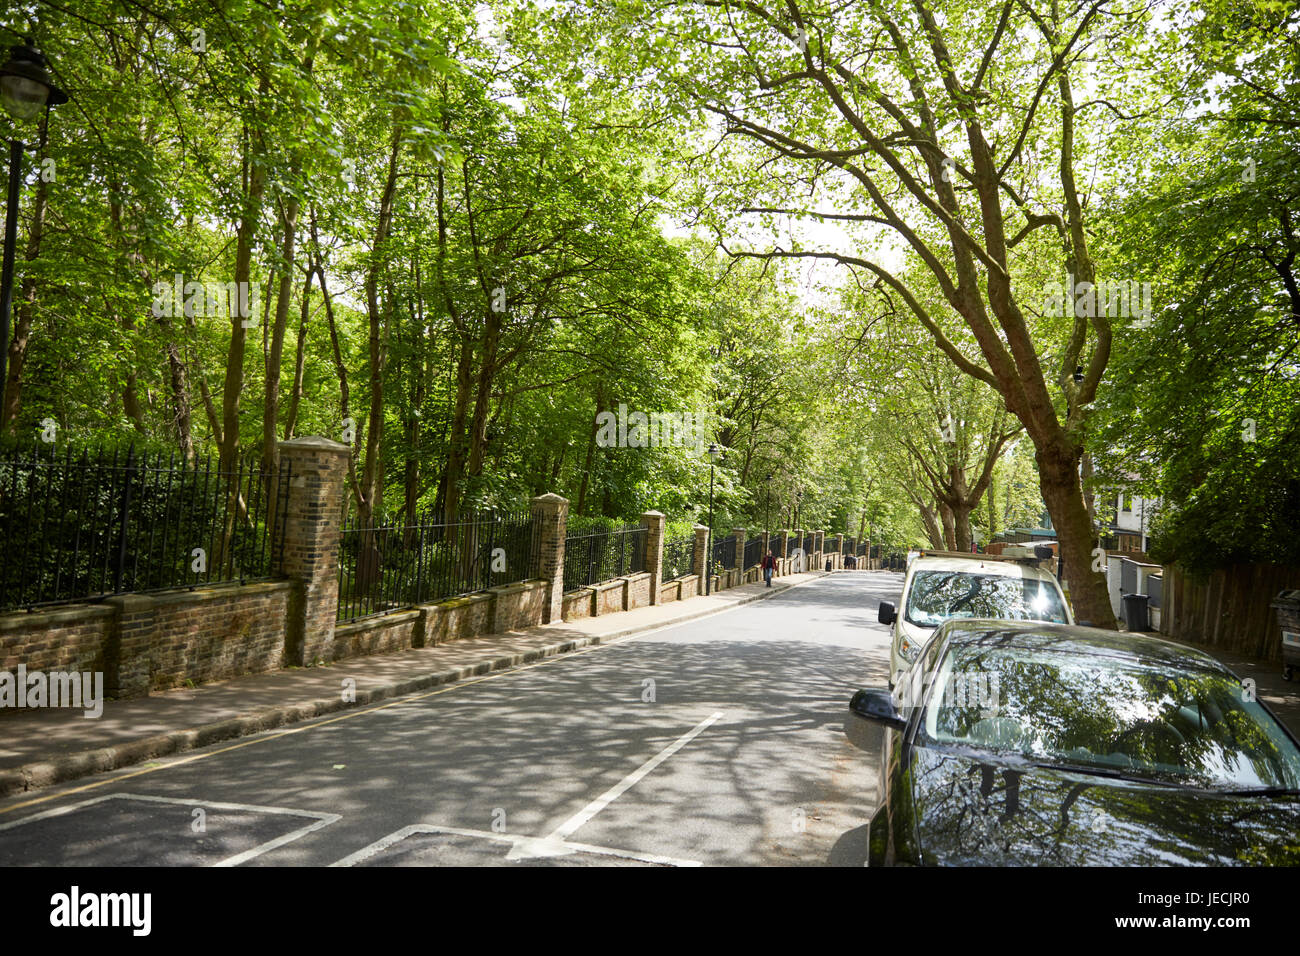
<point>398,836</point>
<point>556,842</point>
<point>322,819</point>
<point>567,828</point>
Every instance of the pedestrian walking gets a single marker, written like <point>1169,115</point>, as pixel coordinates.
<point>769,565</point>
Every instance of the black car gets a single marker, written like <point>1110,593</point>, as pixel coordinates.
<point>1021,743</point>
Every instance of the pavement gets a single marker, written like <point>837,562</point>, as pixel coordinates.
<point>40,748</point>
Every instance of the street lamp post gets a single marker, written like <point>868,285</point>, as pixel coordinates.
<point>714,457</point>
<point>25,88</point>
<point>767,512</point>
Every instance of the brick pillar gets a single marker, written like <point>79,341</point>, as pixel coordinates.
<point>654,522</point>
<point>701,555</point>
<point>782,538</point>
<point>740,548</point>
<point>550,522</point>
<point>819,546</point>
<point>839,551</point>
<point>128,652</point>
<point>310,545</point>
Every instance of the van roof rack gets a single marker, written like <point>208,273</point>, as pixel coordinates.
<point>976,556</point>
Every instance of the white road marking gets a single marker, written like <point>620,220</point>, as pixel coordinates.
<point>555,843</point>
<point>398,836</point>
<point>569,826</point>
<point>321,819</point>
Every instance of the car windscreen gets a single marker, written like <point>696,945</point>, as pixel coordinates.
<point>936,596</point>
<point>1195,727</point>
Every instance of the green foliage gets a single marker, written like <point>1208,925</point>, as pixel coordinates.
<point>1205,409</point>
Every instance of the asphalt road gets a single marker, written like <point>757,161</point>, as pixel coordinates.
<point>715,742</point>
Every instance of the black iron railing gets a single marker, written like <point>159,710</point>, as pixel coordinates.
<point>724,553</point>
<point>753,552</point>
<point>679,558</point>
<point>591,558</point>
<point>388,566</point>
<point>80,525</point>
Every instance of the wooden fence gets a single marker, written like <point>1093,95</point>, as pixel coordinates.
<point>1228,610</point>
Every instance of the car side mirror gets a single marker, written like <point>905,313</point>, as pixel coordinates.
<point>877,706</point>
<point>887,613</point>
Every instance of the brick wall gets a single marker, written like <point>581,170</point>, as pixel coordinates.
<point>610,596</point>
<point>66,639</point>
<point>517,606</point>
<point>377,635</point>
<point>638,590</point>
<point>579,604</point>
<point>145,642</point>
<point>215,633</point>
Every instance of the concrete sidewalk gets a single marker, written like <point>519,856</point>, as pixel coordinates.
<point>39,748</point>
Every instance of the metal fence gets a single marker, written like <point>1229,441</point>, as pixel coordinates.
<point>754,552</point>
<point>679,558</point>
<point>79,526</point>
<point>808,540</point>
<point>603,555</point>
<point>388,566</point>
<point>724,553</point>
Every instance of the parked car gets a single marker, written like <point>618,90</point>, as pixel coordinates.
<point>1024,743</point>
<point>945,585</point>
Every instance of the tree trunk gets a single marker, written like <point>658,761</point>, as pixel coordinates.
<point>949,526</point>
<point>961,525</point>
<point>591,451</point>
<point>483,391</point>
<point>299,361</point>
<point>414,432</point>
<point>1058,472</point>
<point>250,214</point>
<point>271,404</point>
<point>932,530</point>
<point>454,472</point>
<point>990,497</point>
<point>371,490</point>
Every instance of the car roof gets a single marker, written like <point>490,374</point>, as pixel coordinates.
<point>980,564</point>
<point>1073,638</point>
